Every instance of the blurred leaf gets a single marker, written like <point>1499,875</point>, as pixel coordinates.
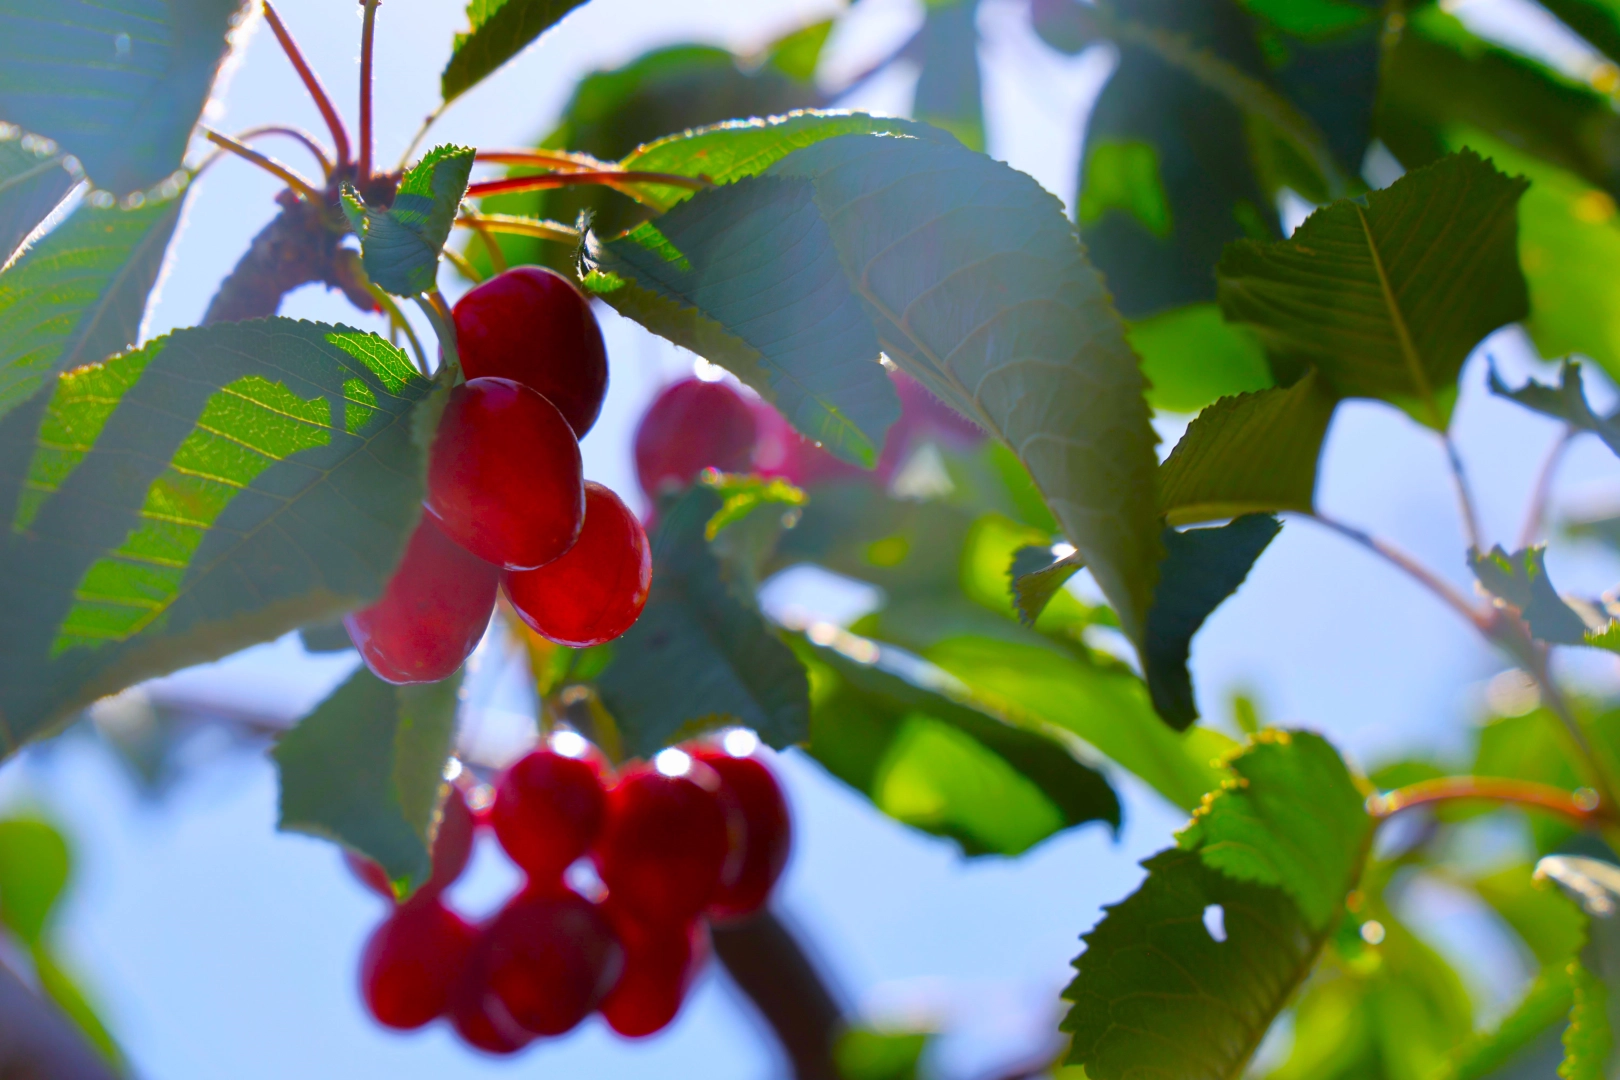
<point>1589,1039</point>
<point>400,246</point>
<point>1543,1010</point>
<point>863,1054</point>
<point>78,296</point>
<point>32,183</point>
<point>1037,577</point>
<point>1567,402</point>
<point>1598,21</point>
<point>325,637</point>
<point>798,54</point>
<point>1549,926</point>
<point>1357,292</point>
<point>497,30</point>
<point>948,94</point>
<point>1254,452</point>
<point>1589,1042</point>
<point>366,770</point>
<point>1192,356</point>
<point>1521,580</point>
<point>215,488</point>
<point>34,867</point>
<point>915,741</point>
<point>62,989</point>
<point>701,648</point>
<point>118,85</point>
<point>1202,569</point>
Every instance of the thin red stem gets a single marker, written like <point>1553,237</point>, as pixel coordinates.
<point>312,83</point>
<point>549,159</point>
<point>269,164</point>
<point>298,134</point>
<point>513,184</point>
<point>368,34</point>
<point>1582,807</point>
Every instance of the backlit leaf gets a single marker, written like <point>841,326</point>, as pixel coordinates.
<point>1589,1041</point>
<point>1566,402</point>
<point>1521,580</point>
<point>497,30</point>
<point>948,94</point>
<point>1192,357</point>
<point>64,990</point>
<point>32,183</point>
<point>1037,577</point>
<point>400,246</point>
<point>34,865</point>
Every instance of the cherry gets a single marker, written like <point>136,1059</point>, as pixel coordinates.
<point>531,325</point>
<point>922,417</point>
<point>782,451</point>
<point>595,591</point>
<point>666,844</point>
<point>504,476</point>
<point>411,962</point>
<point>432,613</point>
<point>452,847</point>
<point>548,808</point>
<point>549,957</point>
<point>693,425</point>
<point>767,829</point>
<point>479,1017</point>
<point>660,962</point>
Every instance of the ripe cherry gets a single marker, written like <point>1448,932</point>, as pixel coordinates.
<point>783,452</point>
<point>691,426</point>
<point>767,828</point>
<point>432,614</point>
<point>452,847</point>
<point>531,325</point>
<point>479,1017</point>
<point>595,591</point>
<point>660,962</point>
<point>548,809</point>
<point>412,961</point>
<point>504,476</point>
<point>549,956</point>
<point>922,417</point>
<point>667,842</point>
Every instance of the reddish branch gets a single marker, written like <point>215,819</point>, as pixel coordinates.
<point>1582,807</point>
<point>610,177</point>
<point>767,963</point>
<point>312,82</point>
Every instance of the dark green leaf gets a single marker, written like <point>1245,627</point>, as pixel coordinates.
<point>948,94</point>
<point>366,770</point>
<point>1566,402</point>
<point>1386,300</point>
<point>119,85</point>
<point>213,489</point>
<point>701,649</point>
<point>64,990</point>
<point>34,866</point>
<point>1193,357</point>
<point>1521,580</point>
<point>863,1054</point>
<point>1037,577</point>
<point>1254,452</point>
<point>1203,568</point>
<point>1598,21</point>
<point>32,183</point>
<point>497,30</point>
<point>1294,819</point>
<point>326,637</point>
<point>400,246</point>
<point>77,296</point>
<point>913,740</point>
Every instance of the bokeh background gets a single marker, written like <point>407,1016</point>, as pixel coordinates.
<point>215,946</point>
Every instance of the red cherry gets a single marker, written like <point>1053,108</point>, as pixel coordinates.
<point>452,847</point>
<point>504,476</point>
<point>432,614</point>
<point>767,830</point>
<point>411,962</point>
<point>665,846</point>
<point>550,957</point>
<point>922,417</point>
<point>595,591</point>
<point>783,452</point>
<point>548,808</point>
<point>479,1017</point>
<point>660,962</point>
<point>531,325</point>
<point>691,426</point>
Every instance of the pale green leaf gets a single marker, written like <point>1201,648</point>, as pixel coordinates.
<point>497,30</point>
<point>64,990</point>
<point>948,93</point>
<point>1192,357</point>
<point>34,867</point>
<point>1036,578</point>
<point>400,246</point>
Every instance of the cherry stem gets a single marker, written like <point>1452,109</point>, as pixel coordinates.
<point>1400,559</point>
<point>492,247</point>
<point>459,261</point>
<point>1465,495</point>
<point>416,140</point>
<point>444,326</point>
<point>1582,806</point>
<point>1537,511</point>
<point>549,159</point>
<point>312,83</point>
<point>611,177</point>
<point>519,226</point>
<point>368,34</point>
<point>302,136</point>
<point>270,165</point>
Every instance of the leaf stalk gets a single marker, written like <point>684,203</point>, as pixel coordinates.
<point>312,83</point>
<point>1584,806</point>
<point>292,179</point>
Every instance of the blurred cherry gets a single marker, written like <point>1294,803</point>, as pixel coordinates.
<point>479,1017</point>
<point>661,960</point>
<point>411,962</point>
<point>548,809</point>
<point>550,957</point>
<point>767,835</point>
<point>452,848</point>
<point>693,425</point>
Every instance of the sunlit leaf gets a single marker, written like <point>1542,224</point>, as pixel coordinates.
<point>400,246</point>
<point>32,183</point>
<point>948,84</point>
<point>497,30</point>
<point>34,865</point>
<point>1589,1041</point>
<point>1566,402</point>
<point>865,1054</point>
<point>1192,357</point>
<point>1036,578</point>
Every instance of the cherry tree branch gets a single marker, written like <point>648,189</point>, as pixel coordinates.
<point>769,965</point>
<point>1539,496</point>
<point>1583,807</point>
<point>368,37</point>
<point>1411,567</point>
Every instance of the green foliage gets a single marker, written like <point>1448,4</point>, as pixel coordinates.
<point>864,1054</point>
<point>497,30</point>
<point>948,92</point>
<point>1037,577</point>
<point>119,85</point>
<point>1589,1041</point>
<point>1192,357</point>
<point>1357,292</point>
<point>1521,580</point>
<point>34,866</point>
<point>32,182</point>
<point>78,295</point>
<point>1544,1007</point>
<point>216,488</point>
<point>400,246</point>
<point>366,770</point>
<point>1567,403</point>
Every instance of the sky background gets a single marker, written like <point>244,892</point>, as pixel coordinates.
<point>216,946</point>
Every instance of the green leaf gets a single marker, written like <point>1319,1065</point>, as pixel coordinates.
<point>1203,568</point>
<point>119,85</point>
<point>701,650</point>
<point>64,990</point>
<point>400,246</point>
<point>497,30</point>
<point>1589,1042</point>
<point>1543,1009</point>
<point>1521,580</point>
<point>864,1054</point>
<point>78,295</point>
<point>948,94</point>
<point>366,770</point>
<point>1386,300</point>
<point>914,741</point>
<point>1192,357</point>
<point>1598,21</point>
<point>1567,403</point>
<point>1036,579</point>
<point>797,54</point>
<point>1293,819</point>
<point>34,866</point>
<point>32,183</point>
<point>213,489</point>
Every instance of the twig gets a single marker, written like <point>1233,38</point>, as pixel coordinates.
<point>1584,807</point>
<point>1422,574</point>
<point>492,247</point>
<point>768,964</point>
<point>1542,492</point>
<point>302,136</point>
<point>270,165</point>
<point>519,226</point>
<point>547,159</point>
<point>368,35</point>
<point>459,261</point>
<point>444,327</point>
<point>612,177</point>
<point>1465,496</point>
<point>312,83</point>
<point>416,140</point>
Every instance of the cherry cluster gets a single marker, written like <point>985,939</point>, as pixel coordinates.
<point>698,835</point>
<point>507,503</point>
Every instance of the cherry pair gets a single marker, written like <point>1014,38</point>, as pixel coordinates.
<point>507,504</point>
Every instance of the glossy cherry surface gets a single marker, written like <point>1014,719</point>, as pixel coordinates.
<point>550,957</point>
<point>596,590</point>
<point>767,836</point>
<point>548,809</point>
<point>504,476</point>
<point>660,962</point>
<point>667,840</point>
<point>412,961</point>
<point>693,425</point>
<point>432,613</point>
<point>479,1017</point>
<point>530,324</point>
<point>452,847</point>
